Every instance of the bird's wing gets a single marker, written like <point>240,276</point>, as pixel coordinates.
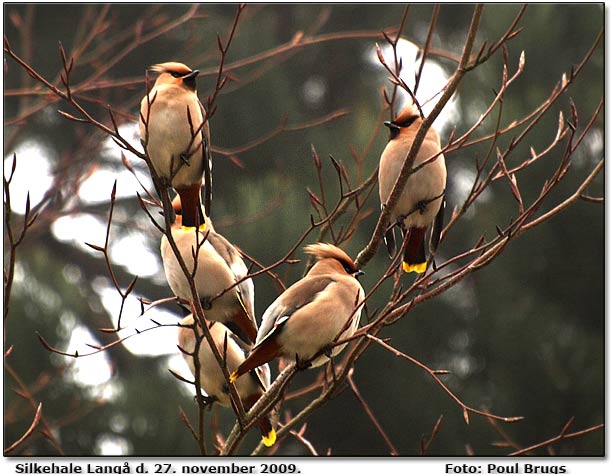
<point>298,296</point>
<point>207,161</point>
<point>294,298</point>
<point>233,259</point>
<point>390,241</point>
<point>436,230</point>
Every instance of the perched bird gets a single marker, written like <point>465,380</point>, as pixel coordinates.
<point>176,136</point>
<point>422,199</point>
<point>312,313</point>
<point>219,266</point>
<point>212,381</point>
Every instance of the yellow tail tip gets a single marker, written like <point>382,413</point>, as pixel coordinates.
<point>269,439</point>
<point>233,376</point>
<point>202,228</point>
<point>414,267</point>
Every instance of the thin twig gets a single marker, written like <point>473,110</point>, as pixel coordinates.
<point>27,433</point>
<point>562,435</point>
<point>375,422</point>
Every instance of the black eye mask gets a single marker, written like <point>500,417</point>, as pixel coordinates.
<point>409,121</point>
<point>394,127</point>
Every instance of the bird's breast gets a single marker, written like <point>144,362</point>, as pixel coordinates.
<point>169,136</point>
<point>213,275</point>
<point>424,184</point>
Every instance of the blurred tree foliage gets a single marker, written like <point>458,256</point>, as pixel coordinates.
<point>523,336</point>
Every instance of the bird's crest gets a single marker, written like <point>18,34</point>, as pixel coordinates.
<point>170,67</point>
<point>323,250</point>
<point>407,115</point>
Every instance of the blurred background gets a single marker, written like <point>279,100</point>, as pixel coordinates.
<point>523,336</point>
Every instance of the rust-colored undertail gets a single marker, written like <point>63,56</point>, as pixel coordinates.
<point>191,211</point>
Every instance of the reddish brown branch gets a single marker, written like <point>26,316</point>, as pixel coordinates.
<point>27,433</point>
<point>434,374</point>
<point>25,392</point>
<point>424,447</point>
<point>370,414</point>
<point>561,436</point>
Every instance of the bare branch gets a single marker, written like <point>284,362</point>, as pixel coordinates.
<point>28,432</point>
<point>562,435</point>
<point>434,374</point>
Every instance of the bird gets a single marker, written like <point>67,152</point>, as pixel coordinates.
<point>175,133</point>
<point>421,202</point>
<point>211,378</point>
<point>311,314</point>
<point>219,266</point>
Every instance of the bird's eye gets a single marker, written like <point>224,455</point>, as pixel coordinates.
<point>175,74</point>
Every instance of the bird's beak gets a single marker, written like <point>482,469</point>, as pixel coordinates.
<point>391,125</point>
<point>358,273</point>
<point>190,79</point>
<point>193,74</point>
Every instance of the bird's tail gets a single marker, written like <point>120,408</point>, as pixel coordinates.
<point>267,350</point>
<point>191,210</point>
<point>415,259</point>
<point>268,434</point>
